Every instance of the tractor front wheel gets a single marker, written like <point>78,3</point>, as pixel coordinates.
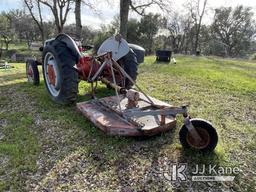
<point>32,72</point>
<point>208,134</point>
<point>60,76</point>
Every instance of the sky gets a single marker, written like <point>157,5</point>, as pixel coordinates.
<point>106,11</point>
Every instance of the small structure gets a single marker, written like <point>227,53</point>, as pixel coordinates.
<point>163,55</point>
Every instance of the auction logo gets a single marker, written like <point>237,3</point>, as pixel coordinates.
<point>179,172</point>
<point>214,173</point>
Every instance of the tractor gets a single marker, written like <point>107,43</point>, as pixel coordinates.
<point>130,111</point>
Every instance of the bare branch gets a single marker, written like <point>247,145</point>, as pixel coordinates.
<point>140,9</point>
<point>60,10</point>
<point>39,21</point>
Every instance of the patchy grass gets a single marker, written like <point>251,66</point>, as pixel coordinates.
<point>18,46</point>
<point>45,146</point>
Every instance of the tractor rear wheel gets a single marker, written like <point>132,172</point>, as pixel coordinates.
<point>130,65</point>
<point>60,76</point>
<point>32,72</point>
<point>208,134</point>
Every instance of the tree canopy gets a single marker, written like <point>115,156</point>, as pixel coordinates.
<point>231,32</point>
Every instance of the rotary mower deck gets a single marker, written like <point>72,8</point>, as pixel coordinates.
<point>106,115</point>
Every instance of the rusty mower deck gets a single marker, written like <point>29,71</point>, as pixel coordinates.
<point>106,115</point>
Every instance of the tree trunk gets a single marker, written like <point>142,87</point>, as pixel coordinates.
<point>57,22</point>
<point>78,19</point>
<point>229,51</point>
<point>198,26</point>
<point>197,38</point>
<point>124,13</point>
<point>6,45</point>
<point>42,36</point>
<point>28,41</point>
<point>1,48</point>
<point>57,19</point>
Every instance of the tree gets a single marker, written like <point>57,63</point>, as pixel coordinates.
<point>88,35</point>
<point>197,13</point>
<point>124,13</point>
<point>6,39</point>
<point>78,6</point>
<point>34,7</point>
<point>23,26</point>
<point>4,31</point>
<point>60,10</point>
<point>234,28</point>
<point>133,31</point>
<point>176,31</point>
<point>187,37</point>
<point>4,24</point>
<point>49,29</point>
<point>149,26</point>
<point>78,18</point>
<point>139,7</point>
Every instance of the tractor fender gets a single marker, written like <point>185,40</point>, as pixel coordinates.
<point>139,52</point>
<point>71,44</point>
<point>118,48</point>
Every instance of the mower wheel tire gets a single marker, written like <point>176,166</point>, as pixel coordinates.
<point>130,65</point>
<point>32,72</point>
<point>60,75</point>
<point>205,130</point>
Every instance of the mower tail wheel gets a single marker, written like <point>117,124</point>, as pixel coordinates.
<point>32,72</point>
<point>208,134</point>
<point>60,76</point>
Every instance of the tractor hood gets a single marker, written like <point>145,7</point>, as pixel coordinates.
<point>118,48</point>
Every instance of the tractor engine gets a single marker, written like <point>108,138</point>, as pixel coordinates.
<point>87,67</point>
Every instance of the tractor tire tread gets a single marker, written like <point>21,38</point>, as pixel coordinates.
<point>65,60</point>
